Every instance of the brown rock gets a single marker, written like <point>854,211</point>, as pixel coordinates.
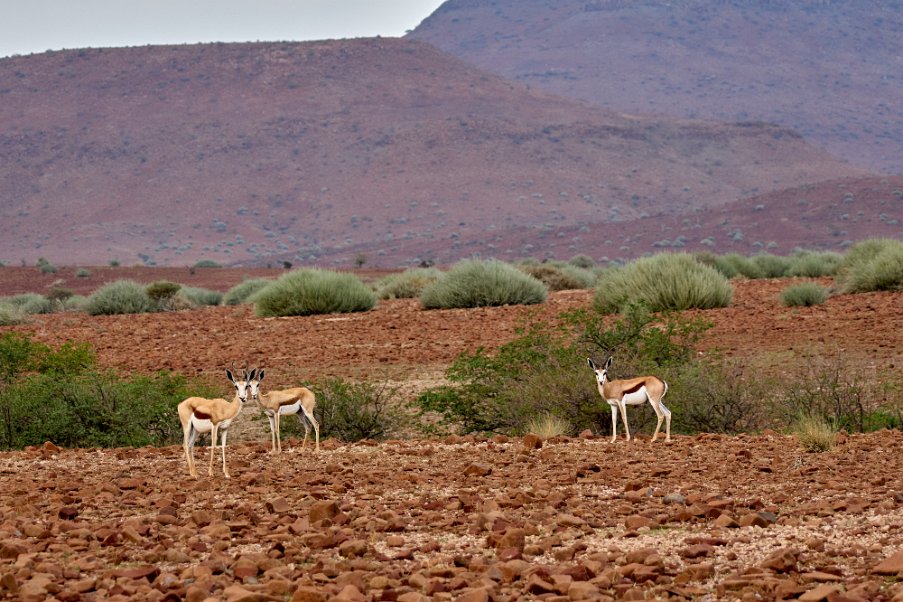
<point>309,594</point>
<point>278,506</point>
<point>244,568</point>
<point>353,548</point>
<point>537,585</point>
<point>892,565</point>
<point>531,441</point>
<point>514,537</point>
<point>323,510</point>
<point>476,469</point>
<point>68,512</point>
<point>480,594</point>
<point>582,590</point>
<point>757,519</point>
<point>8,583</point>
<point>201,518</point>
<point>819,593</point>
<point>236,593</point>
<point>636,521</point>
<point>726,521</point>
<point>781,561</point>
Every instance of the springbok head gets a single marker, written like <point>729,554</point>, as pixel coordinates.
<point>254,379</point>
<point>601,374</point>
<point>241,386</point>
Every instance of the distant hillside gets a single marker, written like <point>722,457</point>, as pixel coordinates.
<point>829,69</point>
<point>315,152</point>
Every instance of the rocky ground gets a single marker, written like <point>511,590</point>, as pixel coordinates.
<point>707,517</point>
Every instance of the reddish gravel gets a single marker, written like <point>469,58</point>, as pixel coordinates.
<point>703,518</point>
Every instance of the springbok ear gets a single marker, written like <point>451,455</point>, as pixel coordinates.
<point>591,363</point>
<point>249,375</point>
<point>229,375</point>
<point>608,362</point>
<point>260,374</point>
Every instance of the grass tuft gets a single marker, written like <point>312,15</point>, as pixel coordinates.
<point>312,291</point>
<point>814,433</point>
<point>476,283</point>
<point>805,294</point>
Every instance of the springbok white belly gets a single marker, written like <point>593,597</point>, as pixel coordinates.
<point>203,425</point>
<point>635,398</point>
<point>290,409</point>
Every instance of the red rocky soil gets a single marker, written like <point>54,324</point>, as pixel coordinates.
<point>704,518</point>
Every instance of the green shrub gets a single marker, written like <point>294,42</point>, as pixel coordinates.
<point>207,263</point>
<point>808,264</point>
<point>119,297</point>
<point>805,294</point>
<point>46,267</point>
<point>476,283</point>
<point>60,395</point>
<point>582,261</point>
<point>354,411</point>
<point>83,273</point>
<point>242,291</point>
<point>772,266</point>
<point>11,314</point>
<point>740,265</point>
<point>561,277</point>
<point>872,265</point>
<point>308,292</point>
<point>201,296</point>
<point>31,303</point>
<point>162,292</point>
<point>663,282</point>
<point>814,433</point>
<point>407,284</point>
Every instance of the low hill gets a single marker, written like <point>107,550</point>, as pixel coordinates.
<point>828,69</point>
<point>317,152</point>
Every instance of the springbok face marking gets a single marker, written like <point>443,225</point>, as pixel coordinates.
<point>601,373</point>
<point>241,386</point>
<point>254,379</point>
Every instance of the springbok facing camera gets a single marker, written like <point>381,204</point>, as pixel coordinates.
<point>199,415</point>
<point>632,391</point>
<point>298,400</point>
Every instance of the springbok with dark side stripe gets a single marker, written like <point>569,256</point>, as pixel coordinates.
<point>275,404</point>
<point>632,391</point>
<point>199,415</point>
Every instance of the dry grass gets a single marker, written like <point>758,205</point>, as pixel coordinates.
<point>549,425</point>
<point>815,433</point>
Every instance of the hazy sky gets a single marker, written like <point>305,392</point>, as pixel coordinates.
<point>28,26</point>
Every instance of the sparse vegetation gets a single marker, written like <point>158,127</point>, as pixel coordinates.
<point>240,293</point>
<point>207,263</point>
<point>805,294</point>
<point>201,296</point>
<point>663,282</point>
<point>872,265</point>
<point>559,276</point>
<point>549,425</point>
<point>306,292</point>
<point>482,283</point>
<point>119,297</point>
<point>814,433</point>
<point>82,273</point>
<point>407,284</point>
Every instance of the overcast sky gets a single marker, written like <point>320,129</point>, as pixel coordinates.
<point>29,26</point>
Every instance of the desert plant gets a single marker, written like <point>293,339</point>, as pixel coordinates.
<point>31,303</point>
<point>548,425</point>
<point>663,282</point>
<point>10,314</point>
<point>351,411</point>
<point>481,283</point>
<point>201,296</point>
<point>162,293</point>
<point>240,293</point>
<point>82,273</point>
<point>46,267</point>
<point>814,433</point>
<point>207,263</point>
<point>119,297</point>
<point>804,294</point>
<point>872,265</point>
<point>810,264</point>
<point>407,284</point>
<point>772,266</point>
<point>308,291</point>
<point>559,277</point>
<point>582,261</point>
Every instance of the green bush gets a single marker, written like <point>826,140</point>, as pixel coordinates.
<point>61,396</point>
<point>772,266</point>
<point>119,297</point>
<point>31,303</point>
<point>407,284</point>
<point>10,314</point>
<point>83,273</point>
<point>476,283</point>
<point>207,263</point>
<point>805,294</point>
<point>242,291</point>
<point>354,411</point>
<point>201,296</point>
<point>663,282</point>
<point>872,265</point>
<point>560,277</point>
<point>808,264</point>
<point>162,292</point>
<point>308,292</point>
<point>740,265</point>
<point>582,261</point>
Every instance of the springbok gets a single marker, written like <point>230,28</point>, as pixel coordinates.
<point>275,404</point>
<point>632,391</point>
<point>199,415</point>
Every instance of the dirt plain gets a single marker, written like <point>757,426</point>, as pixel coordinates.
<point>707,517</point>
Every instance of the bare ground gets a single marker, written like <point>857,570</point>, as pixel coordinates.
<point>708,517</point>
